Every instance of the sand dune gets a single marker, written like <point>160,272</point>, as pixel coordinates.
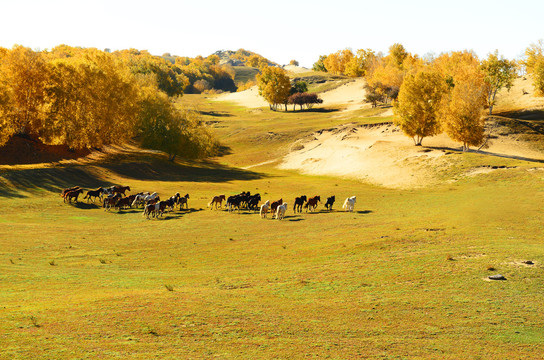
<point>382,155</point>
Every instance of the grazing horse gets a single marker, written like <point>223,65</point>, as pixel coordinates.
<point>330,202</point>
<point>94,193</point>
<point>264,209</point>
<point>72,194</point>
<point>63,193</point>
<point>217,200</point>
<point>183,201</point>
<point>311,204</point>
<point>349,204</point>
<point>120,189</point>
<point>280,211</point>
<point>299,201</point>
<point>275,205</point>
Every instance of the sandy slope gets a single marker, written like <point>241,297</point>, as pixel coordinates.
<point>349,95</point>
<point>384,156</point>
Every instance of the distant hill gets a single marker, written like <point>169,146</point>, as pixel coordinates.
<point>238,57</point>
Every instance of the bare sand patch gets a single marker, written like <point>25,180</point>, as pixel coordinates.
<point>381,154</point>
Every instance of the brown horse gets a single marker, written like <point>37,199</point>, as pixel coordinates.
<point>275,205</point>
<point>93,193</point>
<point>217,200</point>
<point>120,189</point>
<point>72,194</point>
<point>63,193</point>
<point>311,204</point>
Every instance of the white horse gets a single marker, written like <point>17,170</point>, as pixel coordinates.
<point>349,204</point>
<point>280,211</point>
<point>140,199</point>
<point>265,208</point>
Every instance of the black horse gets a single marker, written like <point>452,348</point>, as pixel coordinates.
<point>330,201</point>
<point>299,201</point>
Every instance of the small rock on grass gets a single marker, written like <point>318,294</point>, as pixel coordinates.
<point>496,277</point>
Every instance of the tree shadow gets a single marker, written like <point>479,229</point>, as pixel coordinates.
<point>164,170</point>
<point>138,167</point>
<point>451,150</point>
<point>215,113</point>
<point>52,179</point>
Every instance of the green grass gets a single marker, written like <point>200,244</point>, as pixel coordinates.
<point>243,74</point>
<point>376,283</point>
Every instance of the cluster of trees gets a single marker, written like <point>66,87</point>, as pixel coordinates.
<point>431,95</point>
<point>275,86</point>
<point>87,98</point>
<point>450,94</point>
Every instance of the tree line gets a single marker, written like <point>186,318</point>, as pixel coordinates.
<point>434,94</point>
<point>86,98</point>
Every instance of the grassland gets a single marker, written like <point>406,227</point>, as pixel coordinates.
<point>403,277</point>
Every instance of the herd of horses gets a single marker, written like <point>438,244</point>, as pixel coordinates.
<point>114,197</point>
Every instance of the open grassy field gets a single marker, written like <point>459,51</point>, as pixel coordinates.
<point>402,277</point>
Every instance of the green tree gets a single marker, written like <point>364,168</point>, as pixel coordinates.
<point>418,105</point>
<point>319,64</point>
<point>499,72</point>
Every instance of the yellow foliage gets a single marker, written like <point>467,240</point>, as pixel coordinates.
<point>419,103</point>
<point>336,63</point>
<point>274,86</point>
<point>466,99</point>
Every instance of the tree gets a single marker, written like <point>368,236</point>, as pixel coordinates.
<point>91,101</point>
<point>418,105</point>
<point>23,78</point>
<point>534,63</point>
<point>304,99</point>
<point>274,85</point>
<point>336,63</point>
<point>465,99</point>
<point>359,64</point>
<point>293,62</point>
<point>499,73</point>
<point>299,87</point>
<point>319,64</point>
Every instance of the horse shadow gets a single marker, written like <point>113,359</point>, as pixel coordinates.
<point>85,205</point>
<point>363,212</point>
<point>294,218</point>
<point>189,211</point>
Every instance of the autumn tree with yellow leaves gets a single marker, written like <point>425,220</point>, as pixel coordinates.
<point>419,103</point>
<point>462,112</point>
<point>275,86</point>
<point>534,63</point>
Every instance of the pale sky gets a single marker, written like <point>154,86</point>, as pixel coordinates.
<point>280,30</point>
